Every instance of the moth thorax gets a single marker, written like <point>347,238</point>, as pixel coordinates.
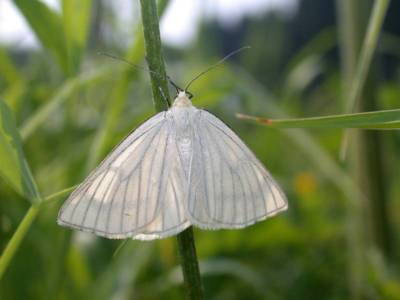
<point>182,99</point>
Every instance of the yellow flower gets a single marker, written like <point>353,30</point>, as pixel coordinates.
<point>305,183</point>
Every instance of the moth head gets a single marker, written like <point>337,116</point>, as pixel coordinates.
<point>183,98</point>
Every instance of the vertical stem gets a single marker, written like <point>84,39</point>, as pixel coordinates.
<point>358,70</point>
<point>186,245</point>
<point>367,218</point>
<point>350,41</point>
<point>366,54</point>
<point>154,55</point>
<point>190,266</point>
<point>372,181</point>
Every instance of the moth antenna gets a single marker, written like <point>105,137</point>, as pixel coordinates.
<point>177,88</point>
<point>170,81</point>
<point>129,63</point>
<point>215,65</point>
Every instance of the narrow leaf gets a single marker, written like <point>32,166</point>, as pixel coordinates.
<point>383,119</point>
<point>367,52</point>
<point>13,167</point>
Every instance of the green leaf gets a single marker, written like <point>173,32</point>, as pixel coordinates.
<point>76,21</point>
<point>14,168</point>
<point>383,119</point>
<point>48,28</point>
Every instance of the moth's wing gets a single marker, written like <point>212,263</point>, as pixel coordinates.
<point>228,186</point>
<point>136,192</point>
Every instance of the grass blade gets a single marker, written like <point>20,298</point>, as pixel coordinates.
<point>14,167</point>
<point>384,119</point>
<point>367,51</point>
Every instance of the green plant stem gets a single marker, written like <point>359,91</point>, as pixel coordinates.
<point>366,164</point>
<point>350,41</point>
<point>57,195</point>
<point>190,266</point>
<point>154,55</point>
<point>186,244</point>
<point>17,238</point>
<point>359,75</point>
<point>369,147</point>
<point>367,51</point>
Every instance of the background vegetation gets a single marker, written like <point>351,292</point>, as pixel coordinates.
<point>339,240</point>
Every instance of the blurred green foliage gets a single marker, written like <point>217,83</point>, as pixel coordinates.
<point>72,106</point>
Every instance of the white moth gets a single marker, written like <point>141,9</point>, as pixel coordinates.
<point>182,167</point>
